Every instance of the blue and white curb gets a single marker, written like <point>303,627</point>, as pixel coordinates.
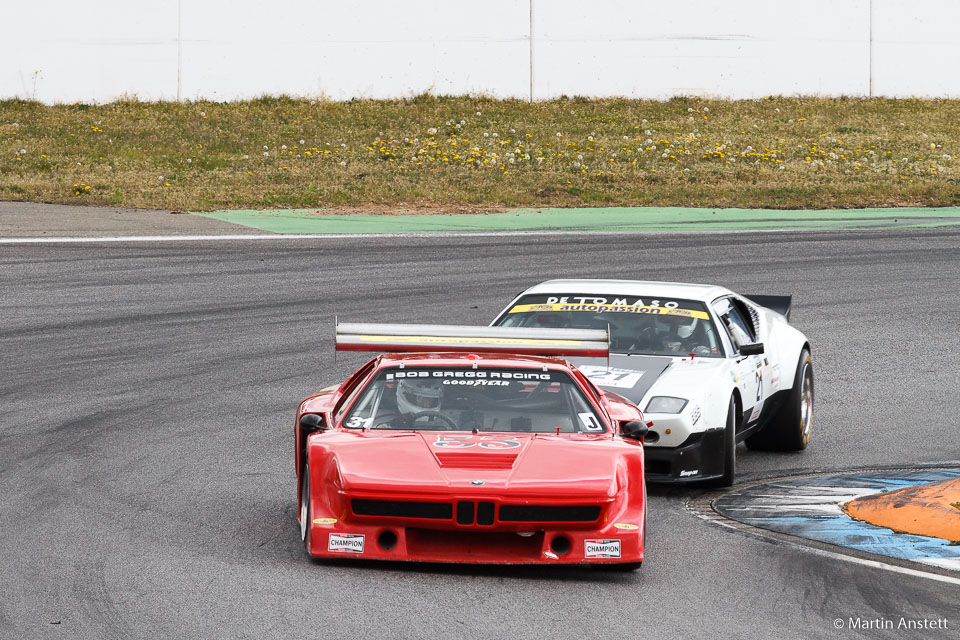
<point>809,507</point>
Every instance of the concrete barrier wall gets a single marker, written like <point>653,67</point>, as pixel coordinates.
<point>737,49</point>
<point>99,50</point>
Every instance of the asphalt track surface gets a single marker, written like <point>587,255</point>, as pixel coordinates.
<point>146,455</point>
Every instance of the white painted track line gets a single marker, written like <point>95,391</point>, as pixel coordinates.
<point>298,236</point>
<point>413,234</point>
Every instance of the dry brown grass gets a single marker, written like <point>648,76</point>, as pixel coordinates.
<point>482,154</point>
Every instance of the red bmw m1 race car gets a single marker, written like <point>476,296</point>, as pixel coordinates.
<point>471,445</point>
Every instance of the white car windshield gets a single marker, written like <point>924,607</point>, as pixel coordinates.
<point>638,325</point>
<point>464,399</point>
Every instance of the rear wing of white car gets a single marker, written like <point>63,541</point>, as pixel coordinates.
<point>780,304</point>
<point>438,338</point>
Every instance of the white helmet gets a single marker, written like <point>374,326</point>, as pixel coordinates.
<point>414,396</point>
<point>680,326</point>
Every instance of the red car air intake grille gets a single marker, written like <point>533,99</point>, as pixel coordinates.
<point>402,509</point>
<point>464,460</point>
<point>493,545</point>
<point>535,513</point>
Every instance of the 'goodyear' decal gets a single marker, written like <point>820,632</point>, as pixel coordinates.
<point>626,526</point>
<point>610,308</point>
<point>324,521</point>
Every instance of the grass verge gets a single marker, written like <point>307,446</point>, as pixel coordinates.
<point>483,154</point>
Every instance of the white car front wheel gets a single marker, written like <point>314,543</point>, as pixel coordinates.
<point>729,448</point>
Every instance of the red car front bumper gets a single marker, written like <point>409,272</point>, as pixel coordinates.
<point>614,543</point>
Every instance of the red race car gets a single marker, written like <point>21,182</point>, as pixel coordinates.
<point>473,445</point>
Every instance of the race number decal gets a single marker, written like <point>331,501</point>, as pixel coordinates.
<point>589,422</point>
<point>759,406</point>
<point>471,440</point>
<point>498,442</point>
<point>455,442</point>
<point>616,378</point>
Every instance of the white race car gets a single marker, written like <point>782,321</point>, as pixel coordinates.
<point>708,367</point>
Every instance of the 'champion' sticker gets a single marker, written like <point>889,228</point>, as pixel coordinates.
<point>601,548</point>
<point>345,542</point>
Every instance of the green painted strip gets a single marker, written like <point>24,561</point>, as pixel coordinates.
<point>592,219</point>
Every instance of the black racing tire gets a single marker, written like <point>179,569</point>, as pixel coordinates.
<point>729,448</point>
<point>306,514</point>
<point>790,427</point>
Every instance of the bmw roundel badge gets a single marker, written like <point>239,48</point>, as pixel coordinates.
<point>476,482</point>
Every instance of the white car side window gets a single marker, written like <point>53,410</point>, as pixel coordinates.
<point>721,306</point>
<point>731,319</point>
<point>737,333</point>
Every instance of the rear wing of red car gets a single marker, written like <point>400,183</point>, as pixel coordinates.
<point>438,338</point>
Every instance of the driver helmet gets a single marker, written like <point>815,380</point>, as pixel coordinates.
<point>681,327</point>
<point>414,396</point>
<point>550,319</point>
<point>675,330</point>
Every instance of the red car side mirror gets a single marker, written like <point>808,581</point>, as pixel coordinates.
<point>312,422</point>
<point>635,429</point>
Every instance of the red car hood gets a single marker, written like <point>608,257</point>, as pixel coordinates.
<point>574,466</point>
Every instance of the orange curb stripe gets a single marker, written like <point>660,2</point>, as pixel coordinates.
<point>924,510</point>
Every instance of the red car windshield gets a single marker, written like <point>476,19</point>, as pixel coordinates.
<point>463,399</point>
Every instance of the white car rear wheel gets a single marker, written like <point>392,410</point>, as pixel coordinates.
<point>791,426</point>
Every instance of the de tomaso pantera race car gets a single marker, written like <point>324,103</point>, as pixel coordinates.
<point>708,367</point>
<point>472,445</point>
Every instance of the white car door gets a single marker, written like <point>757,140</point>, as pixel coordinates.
<point>751,374</point>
